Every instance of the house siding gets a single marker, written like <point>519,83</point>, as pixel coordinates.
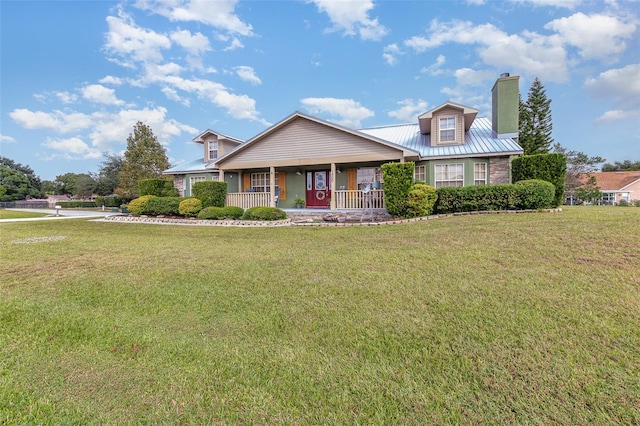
<point>435,126</point>
<point>305,142</point>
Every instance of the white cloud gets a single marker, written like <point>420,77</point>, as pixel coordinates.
<point>219,14</point>
<point>436,67</point>
<point>596,36</point>
<point>622,86</point>
<point>409,110</point>
<point>195,44</point>
<point>173,95</point>
<point>568,4</point>
<point>7,139</point>
<point>391,52</point>
<point>247,73</point>
<point>128,43</point>
<point>349,113</point>
<point>115,81</point>
<point>530,52</point>
<point>352,17</point>
<point>57,120</point>
<point>99,94</point>
<point>235,45</point>
<point>71,148</point>
<point>66,97</point>
<point>470,77</point>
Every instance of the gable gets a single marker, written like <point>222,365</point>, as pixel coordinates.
<point>305,141</point>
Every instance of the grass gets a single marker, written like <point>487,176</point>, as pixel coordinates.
<point>11,214</point>
<point>522,318</point>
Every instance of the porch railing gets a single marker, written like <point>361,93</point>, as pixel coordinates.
<point>359,200</point>
<point>246,200</point>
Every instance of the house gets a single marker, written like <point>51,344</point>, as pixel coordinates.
<point>618,186</point>
<point>334,167</point>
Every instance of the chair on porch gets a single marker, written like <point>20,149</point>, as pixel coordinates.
<point>277,197</point>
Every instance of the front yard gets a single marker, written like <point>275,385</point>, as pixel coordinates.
<point>521,318</point>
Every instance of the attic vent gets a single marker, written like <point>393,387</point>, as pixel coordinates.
<point>504,74</point>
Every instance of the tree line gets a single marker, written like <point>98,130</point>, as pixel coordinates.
<point>145,158</point>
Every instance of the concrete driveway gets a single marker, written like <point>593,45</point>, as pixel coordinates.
<point>63,214</point>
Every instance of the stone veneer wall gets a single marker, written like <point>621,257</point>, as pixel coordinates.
<point>499,170</point>
<point>178,183</point>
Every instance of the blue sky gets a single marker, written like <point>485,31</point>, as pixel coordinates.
<point>77,75</point>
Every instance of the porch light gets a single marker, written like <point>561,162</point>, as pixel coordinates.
<point>339,170</point>
<point>298,172</point>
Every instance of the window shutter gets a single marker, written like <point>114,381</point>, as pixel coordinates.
<point>282,183</point>
<point>246,185</point>
<point>352,177</point>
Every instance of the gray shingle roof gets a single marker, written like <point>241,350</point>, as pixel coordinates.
<point>480,141</point>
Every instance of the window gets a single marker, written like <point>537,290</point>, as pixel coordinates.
<point>368,175</point>
<point>261,182</point>
<point>213,150</point>
<point>420,174</point>
<point>449,175</point>
<point>480,173</point>
<point>448,129</point>
<point>608,198</point>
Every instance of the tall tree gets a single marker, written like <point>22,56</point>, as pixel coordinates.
<point>80,185</point>
<point>107,176</point>
<point>625,166</point>
<point>579,169</point>
<point>16,185</point>
<point>145,158</point>
<point>34,180</point>
<point>535,121</point>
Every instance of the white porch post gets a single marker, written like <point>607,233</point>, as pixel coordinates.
<point>332,203</point>
<point>221,176</point>
<point>402,159</point>
<point>241,187</point>
<point>272,186</point>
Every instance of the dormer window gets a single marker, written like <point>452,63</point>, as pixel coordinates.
<point>213,150</point>
<point>447,129</point>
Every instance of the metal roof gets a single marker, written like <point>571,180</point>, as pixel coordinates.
<point>480,141</point>
<point>196,166</point>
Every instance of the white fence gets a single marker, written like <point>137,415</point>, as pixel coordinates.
<point>359,200</point>
<point>246,200</point>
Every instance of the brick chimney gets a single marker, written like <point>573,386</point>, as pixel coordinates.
<point>505,106</point>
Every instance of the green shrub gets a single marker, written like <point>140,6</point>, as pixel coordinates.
<point>108,201</point>
<point>232,212</point>
<point>636,203</point>
<point>624,203</point>
<point>549,167</point>
<point>211,193</point>
<point>190,207</point>
<point>421,200</point>
<point>219,213</point>
<point>264,213</point>
<point>164,206</point>
<point>138,205</point>
<point>476,198</point>
<point>535,194</point>
<point>158,187</point>
<point>398,180</point>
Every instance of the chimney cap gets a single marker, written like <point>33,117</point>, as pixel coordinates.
<point>504,74</point>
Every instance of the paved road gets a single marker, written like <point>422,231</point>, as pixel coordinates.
<point>63,214</point>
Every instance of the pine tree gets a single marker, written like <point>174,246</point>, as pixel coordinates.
<point>535,121</point>
<point>145,158</point>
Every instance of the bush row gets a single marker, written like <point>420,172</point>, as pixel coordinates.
<point>192,207</point>
<point>73,204</point>
<point>524,195</point>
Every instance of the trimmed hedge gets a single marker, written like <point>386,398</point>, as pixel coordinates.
<point>535,194</point>
<point>75,204</point>
<point>398,180</point>
<point>421,200</point>
<point>211,193</point>
<point>109,201</point>
<point>190,207</point>
<point>220,213</point>
<point>549,167</point>
<point>163,206</point>
<point>526,195</point>
<point>264,213</point>
<point>157,187</point>
<point>138,206</point>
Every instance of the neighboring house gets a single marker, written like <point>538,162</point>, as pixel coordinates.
<point>618,186</point>
<point>329,165</point>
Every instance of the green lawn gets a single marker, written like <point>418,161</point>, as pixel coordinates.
<point>520,318</point>
<point>11,214</point>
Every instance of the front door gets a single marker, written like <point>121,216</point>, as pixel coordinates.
<point>318,189</point>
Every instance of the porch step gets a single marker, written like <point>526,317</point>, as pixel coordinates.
<point>339,217</point>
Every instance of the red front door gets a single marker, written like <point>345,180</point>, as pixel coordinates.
<point>318,189</point>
